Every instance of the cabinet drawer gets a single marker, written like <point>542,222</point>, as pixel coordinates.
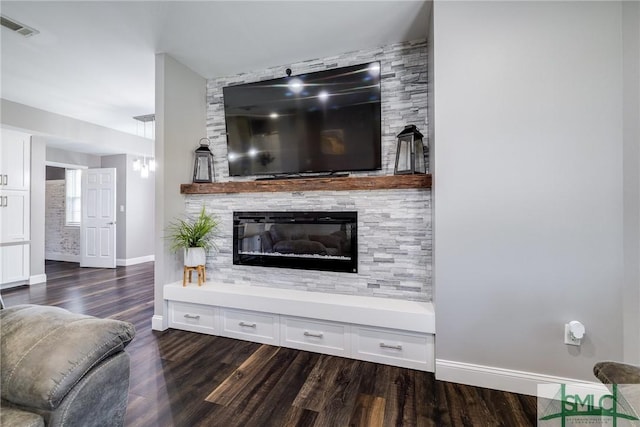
<point>393,347</point>
<point>249,325</point>
<point>312,335</point>
<point>192,317</point>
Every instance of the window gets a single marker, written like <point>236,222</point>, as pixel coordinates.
<point>73,199</point>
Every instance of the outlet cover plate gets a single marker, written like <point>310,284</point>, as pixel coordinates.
<point>568,338</point>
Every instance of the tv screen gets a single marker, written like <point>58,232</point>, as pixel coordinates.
<point>327,121</point>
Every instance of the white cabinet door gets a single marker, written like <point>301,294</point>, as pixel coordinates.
<point>14,216</point>
<point>15,160</point>
<point>14,261</point>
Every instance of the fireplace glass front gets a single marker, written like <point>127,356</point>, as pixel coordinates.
<point>305,240</point>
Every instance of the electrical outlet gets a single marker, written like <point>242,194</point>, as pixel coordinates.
<point>569,339</point>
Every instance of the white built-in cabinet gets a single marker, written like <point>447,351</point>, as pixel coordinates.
<point>15,211</point>
<point>381,330</point>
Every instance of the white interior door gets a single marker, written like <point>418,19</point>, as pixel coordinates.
<point>98,224</point>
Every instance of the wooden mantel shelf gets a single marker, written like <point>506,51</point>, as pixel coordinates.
<point>388,182</point>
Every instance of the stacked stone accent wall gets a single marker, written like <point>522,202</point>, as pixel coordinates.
<point>394,241</point>
<point>394,226</point>
<point>404,96</point>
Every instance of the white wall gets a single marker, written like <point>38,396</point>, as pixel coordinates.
<point>38,156</point>
<point>140,211</point>
<point>180,123</point>
<point>631,168</point>
<point>134,211</point>
<point>528,188</point>
<point>431,135</point>
<point>119,162</point>
<point>65,157</point>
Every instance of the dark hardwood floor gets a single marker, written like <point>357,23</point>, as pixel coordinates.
<point>187,379</point>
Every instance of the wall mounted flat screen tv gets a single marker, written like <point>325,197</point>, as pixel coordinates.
<point>326,121</point>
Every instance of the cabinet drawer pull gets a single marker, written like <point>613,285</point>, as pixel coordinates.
<point>248,325</point>
<point>5,180</point>
<point>311,334</point>
<point>190,316</point>
<point>394,347</point>
<point>6,201</point>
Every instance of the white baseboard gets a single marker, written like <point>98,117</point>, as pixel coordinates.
<point>498,378</point>
<point>56,256</point>
<point>53,256</point>
<point>132,261</point>
<point>38,278</point>
<point>158,324</point>
<point>4,286</point>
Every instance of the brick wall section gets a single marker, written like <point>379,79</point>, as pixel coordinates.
<point>59,239</point>
<point>404,96</point>
<point>394,226</point>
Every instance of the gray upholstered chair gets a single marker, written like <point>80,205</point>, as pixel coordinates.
<point>626,376</point>
<point>62,369</point>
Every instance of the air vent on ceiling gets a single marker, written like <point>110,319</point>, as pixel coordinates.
<point>17,27</point>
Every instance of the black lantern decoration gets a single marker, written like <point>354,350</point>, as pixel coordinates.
<point>203,166</point>
<point>410,154</point>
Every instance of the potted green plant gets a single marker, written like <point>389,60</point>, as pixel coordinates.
<point>195,236</point>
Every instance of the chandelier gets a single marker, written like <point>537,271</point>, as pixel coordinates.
<point>145,164</point>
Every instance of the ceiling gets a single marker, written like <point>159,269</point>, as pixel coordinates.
<point>94,60</point>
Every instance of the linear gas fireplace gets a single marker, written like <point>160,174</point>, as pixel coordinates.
<point>307,240</point>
